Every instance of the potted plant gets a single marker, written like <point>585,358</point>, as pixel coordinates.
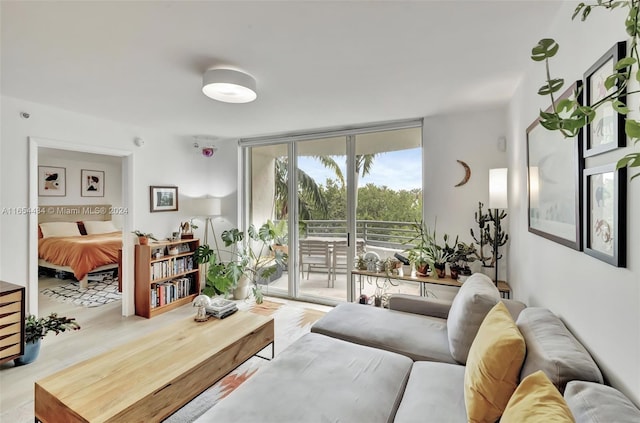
<point>428,251</point>
<point>249,262</point>
<point>35,329</point>
<point>144,238</point>
<point>459,261</point>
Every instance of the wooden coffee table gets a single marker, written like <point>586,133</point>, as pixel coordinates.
<point>152,377</point>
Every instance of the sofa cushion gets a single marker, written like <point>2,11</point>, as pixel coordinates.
<point>434,393</point>
<point>416,336</point>
<point>595,403</point>
<point>554,350</point>
<point>537,400</point>
<point>319,379</point>
<point>471,304</point>
<point>493,366</point>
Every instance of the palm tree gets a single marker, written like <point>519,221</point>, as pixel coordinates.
<point>311,201</point>
<point>310,198</point>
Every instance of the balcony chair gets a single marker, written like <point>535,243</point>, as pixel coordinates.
<point>315,254</point>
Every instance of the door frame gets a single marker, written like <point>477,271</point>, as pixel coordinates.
<point>128,305</point>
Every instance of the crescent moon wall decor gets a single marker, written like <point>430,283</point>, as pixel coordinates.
<point>467,173</point>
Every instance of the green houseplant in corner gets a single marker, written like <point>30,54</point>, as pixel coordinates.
<point>35,329</point>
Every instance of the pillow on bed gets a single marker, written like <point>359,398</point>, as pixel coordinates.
<point>51,229</point>
<point>94,227</point>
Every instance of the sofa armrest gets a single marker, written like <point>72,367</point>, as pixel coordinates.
<point>420,305</point>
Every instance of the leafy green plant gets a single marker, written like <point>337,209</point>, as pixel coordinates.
<point>37,328</point>
<point>249,256</point>
<point>567,115</point>
<point>426,248</point>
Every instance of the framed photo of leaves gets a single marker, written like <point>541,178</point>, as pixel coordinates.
<point>605,132</point>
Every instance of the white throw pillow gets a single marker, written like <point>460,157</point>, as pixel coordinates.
<point>52,229</point>
<point>94,227</point>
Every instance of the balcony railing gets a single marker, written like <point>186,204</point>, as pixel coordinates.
<point>395,235</point>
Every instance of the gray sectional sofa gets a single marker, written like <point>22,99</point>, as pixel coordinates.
<point>406,364</point>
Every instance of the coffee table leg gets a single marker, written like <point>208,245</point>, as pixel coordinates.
<point>273,352</point>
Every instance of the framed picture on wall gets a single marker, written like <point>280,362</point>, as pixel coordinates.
<point>163,198</point>
<point>554,165</point>
<point>92,183</point>
<point>606,130</point>
<point>605,208</point>
<point>52,181</point>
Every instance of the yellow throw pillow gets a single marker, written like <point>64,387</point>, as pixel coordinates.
<point>537,400</point>
<point>493,366</point>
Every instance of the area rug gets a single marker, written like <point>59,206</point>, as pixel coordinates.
<point>103,289</point>
<point>291,322</point>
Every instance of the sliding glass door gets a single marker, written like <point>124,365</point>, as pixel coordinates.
<point>332,199</point>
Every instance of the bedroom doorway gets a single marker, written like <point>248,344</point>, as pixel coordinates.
<point>75,163</point>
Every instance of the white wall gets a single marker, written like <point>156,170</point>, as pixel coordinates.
<point>73,163</point>
<point>163,160</point>
<point>598,302</point>
<point>473,138</point>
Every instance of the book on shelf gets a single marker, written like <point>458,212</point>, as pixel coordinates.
<point>163,293</point>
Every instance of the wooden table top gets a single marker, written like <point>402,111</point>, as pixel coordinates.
<point>119,377</point>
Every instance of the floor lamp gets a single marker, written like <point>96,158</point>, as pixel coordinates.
<point>209,208</point>
<point>497,200</point>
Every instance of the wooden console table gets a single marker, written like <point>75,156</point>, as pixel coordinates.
<point>503,287</point>
<point>149,379</point>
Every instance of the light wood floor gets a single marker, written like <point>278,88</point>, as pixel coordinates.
<point>102,328</point>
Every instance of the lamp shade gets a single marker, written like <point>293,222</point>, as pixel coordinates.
<point>208,206</point>
<point>229,86</point>
<point>498,188</point>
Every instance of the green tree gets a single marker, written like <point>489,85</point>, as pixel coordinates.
<point>310,198</point>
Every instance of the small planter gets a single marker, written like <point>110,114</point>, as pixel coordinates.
<point>241,291</point>
<point>143,240</point>
<point>31,352</point>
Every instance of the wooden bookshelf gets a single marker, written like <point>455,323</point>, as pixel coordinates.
<point>161,277</point>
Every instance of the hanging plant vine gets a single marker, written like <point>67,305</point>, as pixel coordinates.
<point>567,115</point>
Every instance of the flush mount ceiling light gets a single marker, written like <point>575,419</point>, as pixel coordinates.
<point>229,86</point>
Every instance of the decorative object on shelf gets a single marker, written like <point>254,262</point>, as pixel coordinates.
<point>605,205</point>
<point>173,251</point>
<point>554,185</point>
<point>37,328</point>
<point>186,230</point>
<point>229,86</point>
<point>163,198</point>
<point>91,183</point>
<point>624,71</point>
<point>143,238</point>
<point>201,301</point>
<point>606,131</point>
<point>467,173</point>
<point>52,181</point>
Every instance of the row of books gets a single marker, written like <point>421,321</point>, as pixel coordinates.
<point>173,266</point>
<point>165,292</point>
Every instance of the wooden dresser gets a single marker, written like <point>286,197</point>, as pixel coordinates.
<point>12,305</point>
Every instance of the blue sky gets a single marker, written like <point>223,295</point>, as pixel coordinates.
<point>396,170</point>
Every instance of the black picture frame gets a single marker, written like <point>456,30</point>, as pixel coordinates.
<point>605,211</point>
<point>554,182</point>
<point>163,198</point>
<point>606,131</point>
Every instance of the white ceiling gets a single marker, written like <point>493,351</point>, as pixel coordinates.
<point>317,64</point>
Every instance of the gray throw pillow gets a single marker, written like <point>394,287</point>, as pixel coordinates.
<point>554,350</point>
<point>594,403</point>
<point>471,304</point>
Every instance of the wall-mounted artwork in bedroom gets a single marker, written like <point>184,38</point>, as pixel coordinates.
<point>52,181</point>
<point>92,183</point>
